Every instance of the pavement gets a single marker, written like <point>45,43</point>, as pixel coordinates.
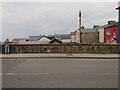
<point>65,55</point>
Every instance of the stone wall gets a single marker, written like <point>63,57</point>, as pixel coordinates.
<point>72,48</point>
<point>89,37</point>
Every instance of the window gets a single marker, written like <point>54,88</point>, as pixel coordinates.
<point>108,32</point>
<point>114,34</point>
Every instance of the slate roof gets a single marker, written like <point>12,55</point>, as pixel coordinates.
<point>15,39</point>
<point>85,30</point>
<point>73,33</point>
<point>108,25</point>
<point>18,39</point>
<point>43,36</point>
<point>52,41</point>
<point>34,42</point>
<point>34,38</point>
<point>61,36</point>
<point>64,36</point>
<point>89,30</point>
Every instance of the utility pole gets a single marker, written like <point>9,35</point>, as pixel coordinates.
<point>80,26</point>
<point>119,23</point>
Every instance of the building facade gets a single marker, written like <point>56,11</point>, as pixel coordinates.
<point>108,34</point>
<point>73,37</point>
<point>88,36</point>
<point>111,35</point>
<point>101,35</point>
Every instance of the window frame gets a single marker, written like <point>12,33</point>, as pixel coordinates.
<point>108,32</point>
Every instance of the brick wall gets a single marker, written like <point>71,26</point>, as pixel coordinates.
<point>73,48</point>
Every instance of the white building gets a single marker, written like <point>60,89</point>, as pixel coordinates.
<point>73,37</point>
<point>44,39</point>
<point>101,35</point>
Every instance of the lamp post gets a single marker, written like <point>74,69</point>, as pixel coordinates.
<point>118,22</point>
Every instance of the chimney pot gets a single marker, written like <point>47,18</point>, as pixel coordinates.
<point>95,26</point>
<point>111,22</point>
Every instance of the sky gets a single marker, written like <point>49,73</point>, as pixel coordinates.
<point>24,19</point>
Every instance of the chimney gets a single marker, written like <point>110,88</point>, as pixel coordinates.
<point>111,22</point>
<point>82,27</point>
<point>79,19</point>
<point>95,26</point>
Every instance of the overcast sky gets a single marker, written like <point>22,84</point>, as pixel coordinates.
<point>23,19</point>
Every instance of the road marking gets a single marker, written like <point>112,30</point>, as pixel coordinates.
<point>48,73</point>
<point>101,73</point>
<point>25,73</point>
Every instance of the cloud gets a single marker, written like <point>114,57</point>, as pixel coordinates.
<point>1,22</point>
<point>21,19</point>
<point>59,0</point>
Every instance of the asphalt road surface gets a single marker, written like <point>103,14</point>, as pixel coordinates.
<point>60,73</point>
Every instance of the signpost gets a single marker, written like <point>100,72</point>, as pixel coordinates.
<point>119,23</point>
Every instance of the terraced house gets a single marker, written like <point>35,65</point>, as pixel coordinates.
<point>108,34</point>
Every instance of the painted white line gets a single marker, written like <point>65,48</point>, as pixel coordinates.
<point>48,73</point>
<point>101,73</point>
<point>26,73</point>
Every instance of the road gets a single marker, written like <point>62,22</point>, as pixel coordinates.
<point>60,73</point>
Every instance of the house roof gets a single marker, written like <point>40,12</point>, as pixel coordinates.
<point>73,33</point>
<point>22,38</point>
<point>52,41</point>
<point>89,30</point>
<point>37,41</point>
<point>61,36</point>
<point>44,36</point>
<point>17,39</point>
<point>95,29</point>
<point>34,42</point>
<point>85,30</point>
<point>108,25</point>
<point>51,37</point>
<point>34,38</point>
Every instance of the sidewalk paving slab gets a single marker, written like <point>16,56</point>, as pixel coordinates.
<point>53,55</point>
